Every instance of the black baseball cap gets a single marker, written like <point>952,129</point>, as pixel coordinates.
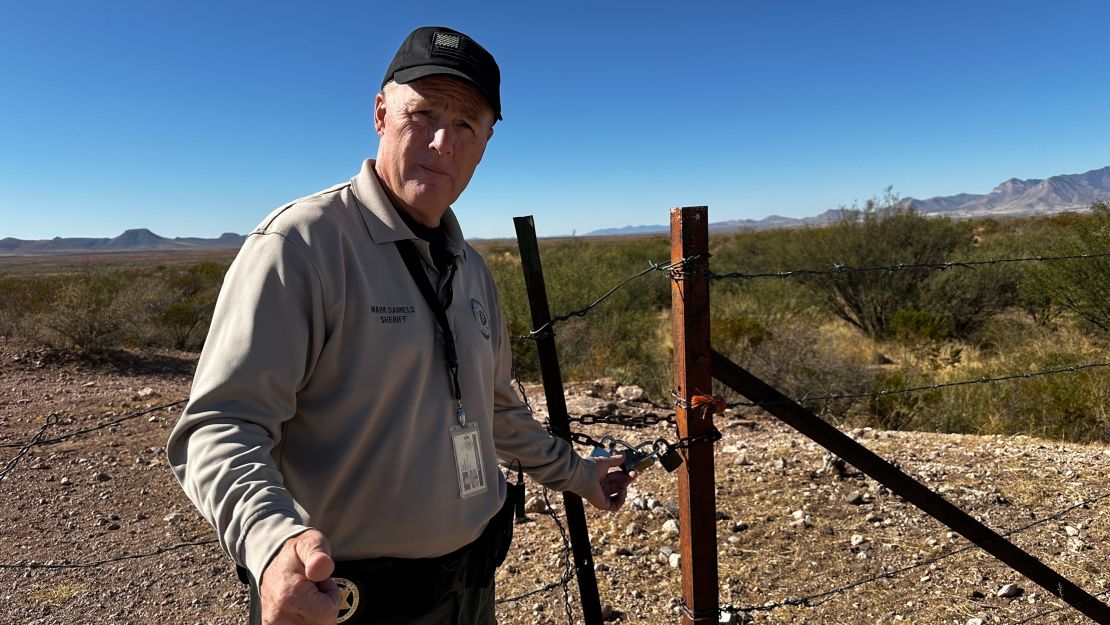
<point>436,50</point>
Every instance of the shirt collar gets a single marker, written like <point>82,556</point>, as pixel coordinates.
<point>381,218</point>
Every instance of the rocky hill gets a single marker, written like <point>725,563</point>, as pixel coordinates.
<point>1014,197</point>
<point>136,240</point>
<point>1024,197</point>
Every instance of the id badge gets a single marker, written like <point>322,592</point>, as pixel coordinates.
<point>468,459</point>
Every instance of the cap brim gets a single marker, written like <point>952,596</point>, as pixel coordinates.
<point>406,76</point>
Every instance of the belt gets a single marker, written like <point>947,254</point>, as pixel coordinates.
<point>392,588</point>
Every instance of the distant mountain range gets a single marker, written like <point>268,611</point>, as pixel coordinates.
<point>136,240</point>
<point>1014,197</point>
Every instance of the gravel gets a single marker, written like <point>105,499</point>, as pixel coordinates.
<point>792,522</point>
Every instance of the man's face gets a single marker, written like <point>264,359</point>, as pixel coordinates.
<point>433,132</point>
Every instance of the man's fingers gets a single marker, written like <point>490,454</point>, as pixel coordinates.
<point>608,462</point>
<point>329,588</point>
<point>314,550</point>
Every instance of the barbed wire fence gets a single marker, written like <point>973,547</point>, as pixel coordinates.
<point>675,271</point>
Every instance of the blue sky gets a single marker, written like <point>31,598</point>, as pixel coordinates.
<point>197,118</point>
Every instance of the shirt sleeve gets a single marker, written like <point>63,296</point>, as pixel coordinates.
<point>517,435</point>
<point>266,329</point>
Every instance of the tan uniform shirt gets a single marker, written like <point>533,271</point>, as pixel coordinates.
<point>322,397</point>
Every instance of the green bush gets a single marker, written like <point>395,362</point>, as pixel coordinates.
<point>88,312</point>
<point>1080,286</point>
<point>180,301</point>
<point>916,326</point>
<point>883,234</point>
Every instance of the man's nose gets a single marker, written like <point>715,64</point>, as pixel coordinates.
<point>443,140</point>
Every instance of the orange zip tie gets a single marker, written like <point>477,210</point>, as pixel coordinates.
<point>716,401</point>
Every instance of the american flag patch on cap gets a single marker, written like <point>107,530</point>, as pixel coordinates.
<point>447,40</point>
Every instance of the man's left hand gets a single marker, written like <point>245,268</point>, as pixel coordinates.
<point>612,486</point>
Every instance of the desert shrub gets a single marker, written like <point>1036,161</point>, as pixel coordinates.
<point>916,326</point>
<point>178,304</point>
<point>1068,406</point>
<point>1080,286</point>
<point>962,300</point>
<point>892,409</point>
<point>882,234</point>
<point>620,338</point>
<point>88,312</point>
<point>93,309</point>
<point>730,334</point>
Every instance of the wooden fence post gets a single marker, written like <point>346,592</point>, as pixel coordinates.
<point>697,507</point>
<point>557,413</point>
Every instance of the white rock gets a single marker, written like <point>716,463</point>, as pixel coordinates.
<point>536,505</point>
<point>675,560</point>
<point>631,393</point>
<point>975,621</point>
<point>173,517</point>
<point>857,540</point>
<point>1071,530</point>
<point>1010,590</point>
<point>670,526</point>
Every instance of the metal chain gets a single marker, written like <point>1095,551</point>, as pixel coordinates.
<point>686,442</point>
<point>631,421</point>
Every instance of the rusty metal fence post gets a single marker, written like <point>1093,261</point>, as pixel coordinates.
<point>558,418</point>
<point>697,507</point>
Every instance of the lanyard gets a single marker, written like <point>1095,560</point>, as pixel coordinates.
<point>439,309</point>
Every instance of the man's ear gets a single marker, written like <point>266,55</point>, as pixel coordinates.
<point>379,114</point>
<point>490,135</point>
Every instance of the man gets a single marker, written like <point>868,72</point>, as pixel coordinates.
<point>353,396</point>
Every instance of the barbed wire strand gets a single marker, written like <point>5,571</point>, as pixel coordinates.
<point>98,563</point>
<point>125,418</point>
<point>819,598</point>
<point>546,328</point>
<point>674,270</point>
<point>839,268</point>
<point>35,440</point>
<point>1044,613</point>
<point>928,387</point>
<point>569,571</point>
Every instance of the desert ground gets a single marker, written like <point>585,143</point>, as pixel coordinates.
<point>96,530</point>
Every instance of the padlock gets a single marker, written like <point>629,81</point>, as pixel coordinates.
<point>598,452</point>
<point>604,452</point>
<point>636,460</point>
<point>668,455</point>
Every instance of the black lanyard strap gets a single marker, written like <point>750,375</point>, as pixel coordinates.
<point>439,309</point>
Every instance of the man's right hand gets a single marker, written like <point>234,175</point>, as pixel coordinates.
<point>297,588</point>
